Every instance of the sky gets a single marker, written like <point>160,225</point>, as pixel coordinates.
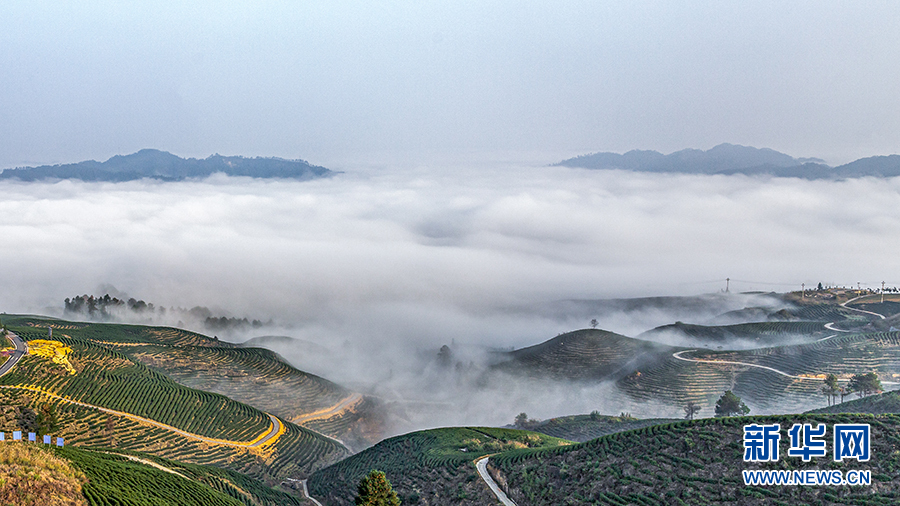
<point>344,83</point>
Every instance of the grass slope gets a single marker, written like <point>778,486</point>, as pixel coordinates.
<point>690,463</point>
<point>431,467</point>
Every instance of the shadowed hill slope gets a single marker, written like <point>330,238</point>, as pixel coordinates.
<point>699,462</point>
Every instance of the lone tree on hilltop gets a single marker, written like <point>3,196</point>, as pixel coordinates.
<point>865,384</point>
<point>730,405</point>
<point>594,323</point>
<point>690,409</point>
<point>376,490</point>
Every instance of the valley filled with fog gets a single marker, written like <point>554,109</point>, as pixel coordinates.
<point>372,270</point>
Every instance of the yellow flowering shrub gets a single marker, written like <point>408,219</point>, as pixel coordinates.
<point>52,350</point>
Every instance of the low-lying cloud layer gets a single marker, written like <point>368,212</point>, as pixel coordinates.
<point>379,264</point>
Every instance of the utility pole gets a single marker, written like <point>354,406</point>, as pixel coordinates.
<point>802,290</point>
<point>727,282</point>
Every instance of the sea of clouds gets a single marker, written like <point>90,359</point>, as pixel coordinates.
<point>383,265</point>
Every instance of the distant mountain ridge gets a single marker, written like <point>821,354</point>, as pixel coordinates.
<point>733,159</point>
<point>160,165</point>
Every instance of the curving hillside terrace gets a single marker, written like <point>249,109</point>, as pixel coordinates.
<point>251,375</point>
<point>679,381</point>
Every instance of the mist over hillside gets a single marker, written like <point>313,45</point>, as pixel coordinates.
<point>380,267</point>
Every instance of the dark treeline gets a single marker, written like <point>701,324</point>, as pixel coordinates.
<point>108,308</point>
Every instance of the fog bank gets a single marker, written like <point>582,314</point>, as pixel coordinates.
<point>379,264</point>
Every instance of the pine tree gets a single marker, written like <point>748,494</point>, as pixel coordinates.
<point>730,405</point>
<point>375,490</point>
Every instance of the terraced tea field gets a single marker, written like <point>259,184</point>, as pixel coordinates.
<point>581,428</point>
<point>436,466</point>
<point>253,376</point>
<point>794,387</point>
<point>258,377</point>
<point>584,355</point>
<point>689,463</point>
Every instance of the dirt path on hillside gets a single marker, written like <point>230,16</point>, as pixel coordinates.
<point>338,408</point>
<point>270,436</point>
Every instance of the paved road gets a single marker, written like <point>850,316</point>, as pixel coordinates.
<point>21,349</point>
<point>844,305</point>
<point>481,465</point>
<point>306,493</point>
<point>275,430</point>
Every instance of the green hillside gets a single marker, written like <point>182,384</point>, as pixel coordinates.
<point>72,475</point>
<point>690,463</point>
<point>588,354</point>
<point>124,402</point>
<point>431,467</point>
<point>253,376</point>
<point>583,428</point>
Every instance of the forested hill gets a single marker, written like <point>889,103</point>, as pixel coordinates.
<point>732,159</point>
<point>155,164</point>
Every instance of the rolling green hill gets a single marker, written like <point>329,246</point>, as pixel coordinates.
<point>588,354</point>
<point>690,463</point>
<point>253,376</point>
<point>102,398</point>
<point>431,467</point>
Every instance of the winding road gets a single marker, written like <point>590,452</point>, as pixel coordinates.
<point>20,350</point>
<point>829,326</point>
<point>481,465</point>
<point>844,305</point>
